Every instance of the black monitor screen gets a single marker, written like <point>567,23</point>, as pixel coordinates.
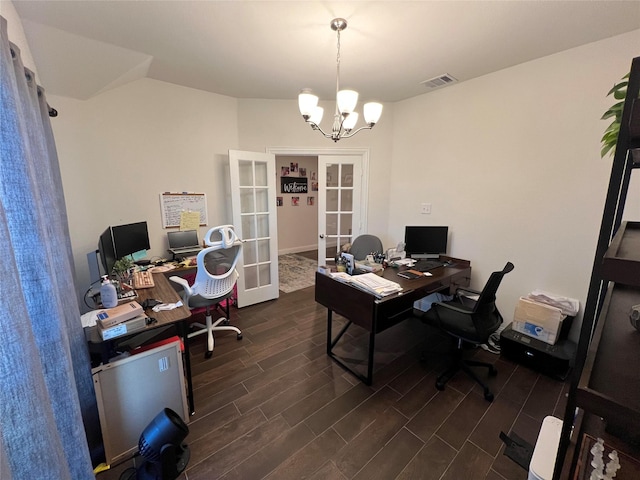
<point>425,241</point>
<point>107,252</point>
<point>131,238</point>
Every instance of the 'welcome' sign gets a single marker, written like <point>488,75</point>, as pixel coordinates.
<point>293,185</point>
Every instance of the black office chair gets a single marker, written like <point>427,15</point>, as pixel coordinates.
<point>470,317</point>
<point>364,245</point>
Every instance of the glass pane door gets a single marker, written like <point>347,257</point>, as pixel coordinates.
<point>339,213</point>
<point>253,200</point>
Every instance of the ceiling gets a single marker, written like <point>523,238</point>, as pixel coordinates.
<point>270,49</point>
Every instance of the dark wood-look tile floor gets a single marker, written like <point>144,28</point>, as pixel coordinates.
<point>274,406</point>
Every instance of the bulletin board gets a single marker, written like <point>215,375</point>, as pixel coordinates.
<point>175,206</point>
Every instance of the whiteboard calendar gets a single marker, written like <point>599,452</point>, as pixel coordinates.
<point>174,206</point>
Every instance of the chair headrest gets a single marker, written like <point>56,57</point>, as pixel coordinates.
<point>228,235</point>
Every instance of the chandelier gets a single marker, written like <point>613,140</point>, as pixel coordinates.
<point>344,119</point>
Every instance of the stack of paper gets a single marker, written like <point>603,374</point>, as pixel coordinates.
<point>370,282</point>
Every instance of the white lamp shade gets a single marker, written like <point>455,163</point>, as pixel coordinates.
<point>307,103</point>
<point>316,116</point>
<point>347,100</point>
<point>372,112</point>
<point>350,121</point>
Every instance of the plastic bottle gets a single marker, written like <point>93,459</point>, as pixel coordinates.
<point>108,293</point>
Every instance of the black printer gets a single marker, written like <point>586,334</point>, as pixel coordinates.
<point>553,360</point>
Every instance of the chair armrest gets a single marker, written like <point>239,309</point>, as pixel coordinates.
<point>182,282</point>
<point>455,308</point>
<point>467,290</point>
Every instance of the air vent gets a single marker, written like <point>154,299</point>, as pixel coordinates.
<point>439,81</point>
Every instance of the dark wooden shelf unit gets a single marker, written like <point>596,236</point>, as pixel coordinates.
<point>621,262</point>
<point>605,384</point>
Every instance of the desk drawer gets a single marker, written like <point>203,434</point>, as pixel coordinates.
<point>461,279</point>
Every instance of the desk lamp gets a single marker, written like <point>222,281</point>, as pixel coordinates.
<point>165,456</point>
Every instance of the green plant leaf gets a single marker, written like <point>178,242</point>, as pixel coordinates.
<point>620,94</point>
<point>613,111</point>
<point>617,87</point>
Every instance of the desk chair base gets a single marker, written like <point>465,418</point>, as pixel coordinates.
<point>222,324</point>
<point>464,365</point>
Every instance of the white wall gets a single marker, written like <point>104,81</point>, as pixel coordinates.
<point>119,150</point>
<point>297,224</point>
<point>511,162</point>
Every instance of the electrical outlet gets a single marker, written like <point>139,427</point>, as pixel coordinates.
<point>425,208</point>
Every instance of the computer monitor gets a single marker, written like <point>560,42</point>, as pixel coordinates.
<point>130,238</point>
<point>107,251</point>
<point>122,240</point>
<point>425,241</point>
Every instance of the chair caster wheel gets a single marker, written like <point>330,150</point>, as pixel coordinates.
<point>208,354</point>
<point>488,396</point>
<point>493,372</point>
<point>440,386</point>
<point>239,336</point>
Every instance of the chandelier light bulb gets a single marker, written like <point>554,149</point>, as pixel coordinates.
<point>350,121</point>
<point>307,103</point>
<point>372,112</point>
<point>347,101</point>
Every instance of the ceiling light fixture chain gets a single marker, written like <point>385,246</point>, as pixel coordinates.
<point>345,118</point>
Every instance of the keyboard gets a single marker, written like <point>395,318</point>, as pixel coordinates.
<point>143,279</point>
<point>426,265</point>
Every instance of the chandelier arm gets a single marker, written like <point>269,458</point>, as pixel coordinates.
<point>315,126</point>
<point>353,132</point>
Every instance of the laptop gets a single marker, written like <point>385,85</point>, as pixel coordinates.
<point>184,242</point>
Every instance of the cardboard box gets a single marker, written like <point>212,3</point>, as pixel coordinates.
<point>538,320</point>
<point>113,316</point>
<point>132,325</point>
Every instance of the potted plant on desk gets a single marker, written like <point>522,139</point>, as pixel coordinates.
<point>122,271</point>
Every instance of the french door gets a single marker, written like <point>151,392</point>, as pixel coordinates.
<point>253,202</point>
<point>340,203</point>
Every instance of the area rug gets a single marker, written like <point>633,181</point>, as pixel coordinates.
<point>296,272</point>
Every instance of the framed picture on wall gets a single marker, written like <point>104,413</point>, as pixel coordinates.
<point>311,201</point>
<point>284,171</point>
<point>314,176</point>
<point>293,167</point>
<point>314,186</point>
<point>279,201</point>
<point>303,172</point>
<point>295,201</point>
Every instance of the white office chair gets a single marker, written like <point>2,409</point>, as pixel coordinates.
<point>215,277</point>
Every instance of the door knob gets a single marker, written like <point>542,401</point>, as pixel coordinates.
<point>322,235</point>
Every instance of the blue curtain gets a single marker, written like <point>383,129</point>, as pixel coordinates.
<point>46,390</point>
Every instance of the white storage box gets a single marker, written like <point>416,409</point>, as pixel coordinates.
<point>546,450</point>
<point>538,320</point>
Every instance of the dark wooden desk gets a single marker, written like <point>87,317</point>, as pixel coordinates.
<point>163,291</point>
<point>377,314</point>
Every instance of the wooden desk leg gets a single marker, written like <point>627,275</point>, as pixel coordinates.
<point>184,333</point>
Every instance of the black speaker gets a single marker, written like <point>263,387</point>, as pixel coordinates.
<point>553,360</point>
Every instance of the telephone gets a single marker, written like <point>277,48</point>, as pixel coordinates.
<point>397,253</point>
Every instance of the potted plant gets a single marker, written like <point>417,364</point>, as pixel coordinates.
<point>122,269</point>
